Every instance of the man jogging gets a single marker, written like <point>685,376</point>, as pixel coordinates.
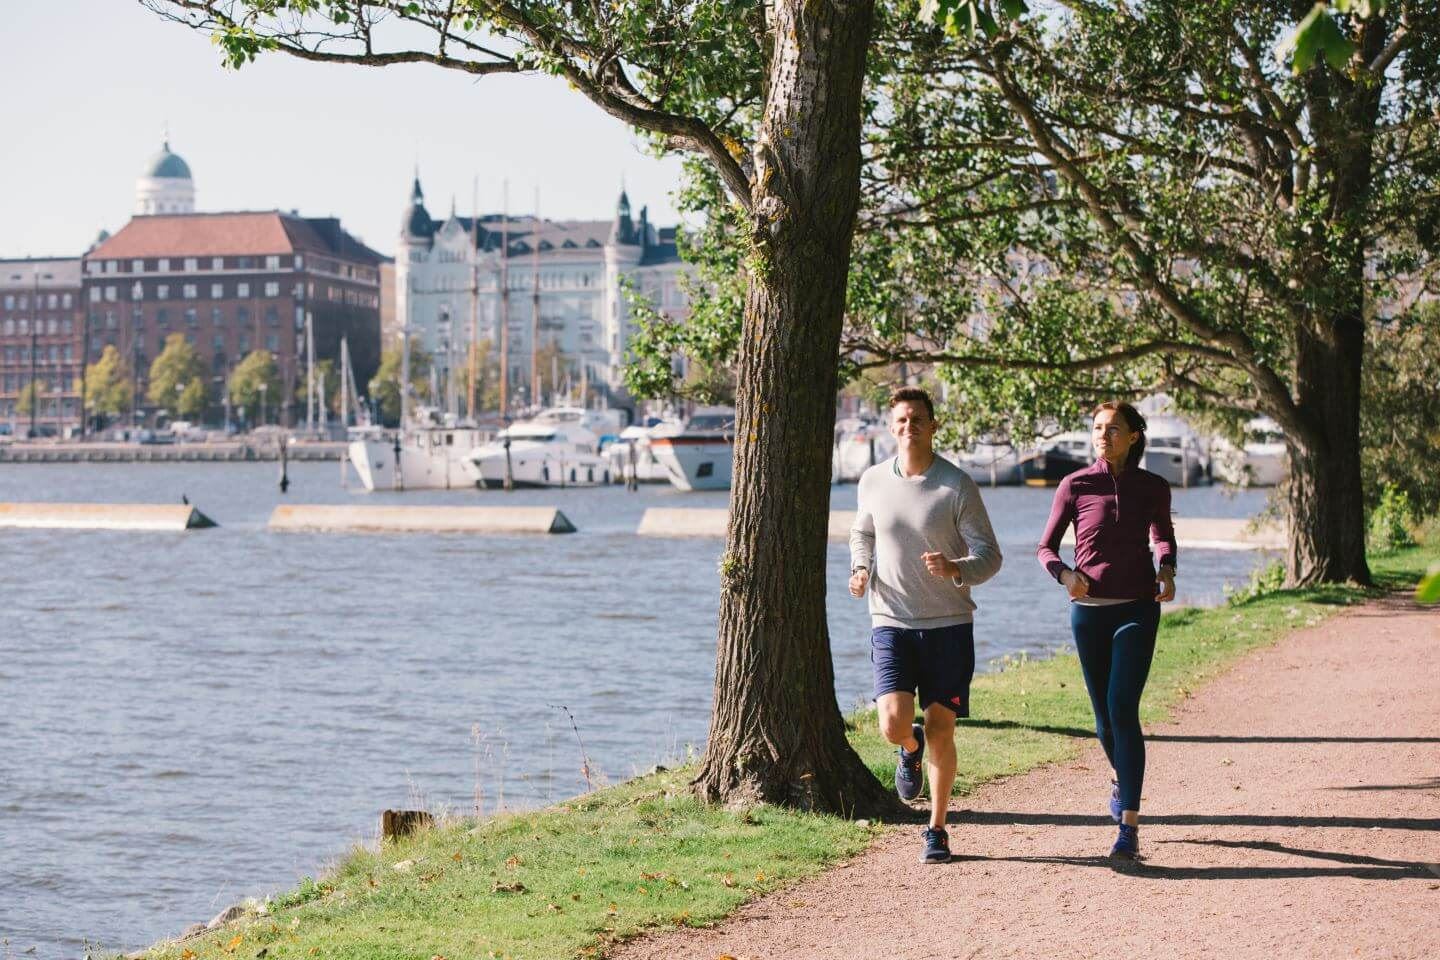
<point>920,541</point>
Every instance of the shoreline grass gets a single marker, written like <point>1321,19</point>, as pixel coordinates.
<point>571,879</point>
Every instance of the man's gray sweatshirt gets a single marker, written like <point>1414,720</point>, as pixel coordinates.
<point>900,518</point>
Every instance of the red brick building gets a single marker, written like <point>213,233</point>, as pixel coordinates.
<point>233,283</point>
<point>40,309</point>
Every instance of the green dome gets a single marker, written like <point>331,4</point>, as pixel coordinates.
<point>168,166</point>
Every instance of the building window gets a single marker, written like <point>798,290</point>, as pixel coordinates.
<point>242,290</point>
<point>245,263</point>
<point>137,319</point>
<point>162,318</point>
<point>92,266</point>
<point>109,319</point>
<point>242,316</point>
<point>272,342</point>
<point>52,326</point>
<point>69,352</point>
<point>244,343</point>
<point>162,266</point>
<point>9,301</point>
<point>162,291</point>
<point>217,291</point>
<point>191,317</point>
<point>95,293</point>
<point>272,263</point>
<point>217,318</point>
<point>65,301</point>
<point>272,289</point>
<point>111,266</point>
<point>110,294</point>
<point>272,316</point>
<point>137,266</point>
<point>190,291</point>
<point>50,301</point>
<point>67,326</point>
<point>299,261</point>
<point>218,343</point>
<point>137,291</point>
<point>192,264</point>
<point>217,263</point>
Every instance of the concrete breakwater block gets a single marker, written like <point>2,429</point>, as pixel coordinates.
<point>104,516</point>
<point>701,522</point>
<point>346,518</point>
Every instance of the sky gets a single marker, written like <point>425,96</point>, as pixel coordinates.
<point>91,86</point>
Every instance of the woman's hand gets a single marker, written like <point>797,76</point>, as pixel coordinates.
<point>858,581</point>
<point>1075,583</point>
<point>1164,585</point>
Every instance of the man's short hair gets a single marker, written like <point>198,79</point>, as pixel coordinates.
<point>913,395</point>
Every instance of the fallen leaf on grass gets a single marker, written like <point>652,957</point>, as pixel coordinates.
<point>513,862</point>
<point>499,887</point>
<point>456,856</point>
<point>187,954</point>
<point>728,880</point>
<point>234,942</point>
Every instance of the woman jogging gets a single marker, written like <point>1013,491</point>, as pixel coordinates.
<point>1115,592</point>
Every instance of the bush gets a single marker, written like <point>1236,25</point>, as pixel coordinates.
<point>1263,580</point>
<point>1391,521</point>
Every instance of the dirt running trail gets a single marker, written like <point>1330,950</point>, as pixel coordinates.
<point>1292,809</point>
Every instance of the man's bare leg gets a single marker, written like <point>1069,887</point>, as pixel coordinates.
<point>939,760</point>
<point>896,712</point>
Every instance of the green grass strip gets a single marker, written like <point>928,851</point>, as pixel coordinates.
<point>570,879</point>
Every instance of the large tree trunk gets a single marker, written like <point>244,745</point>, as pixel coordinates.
<point>1323,492</point>
<point>776,735</point>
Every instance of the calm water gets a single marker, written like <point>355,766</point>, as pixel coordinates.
<point>189,719</point>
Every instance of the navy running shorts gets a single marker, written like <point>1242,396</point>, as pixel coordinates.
<point>938,662</point>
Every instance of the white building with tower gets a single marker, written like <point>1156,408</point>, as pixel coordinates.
<point>166,185</point>
<point>558,284</point>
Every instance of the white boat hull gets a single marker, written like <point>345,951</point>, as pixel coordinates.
<point>529,468</point>
<point>428,460</point>
<point>698,463</point>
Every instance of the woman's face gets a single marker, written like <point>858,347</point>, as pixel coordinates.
<point>1112,436</point>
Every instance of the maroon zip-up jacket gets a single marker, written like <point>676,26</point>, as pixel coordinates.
<point>1115,518</point>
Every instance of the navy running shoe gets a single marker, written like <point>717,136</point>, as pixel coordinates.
<point>1127,844</point>
<point>937,846</point>
<point>1115,808</point>
<point>907,772</point>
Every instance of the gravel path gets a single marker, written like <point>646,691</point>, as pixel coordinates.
<point>1292,809</point>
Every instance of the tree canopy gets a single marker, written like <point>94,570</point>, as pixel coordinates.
<point>257,369</point>
<point>173,372</point>
<point>109,383</point>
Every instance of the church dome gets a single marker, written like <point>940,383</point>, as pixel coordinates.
<point>168,165</point>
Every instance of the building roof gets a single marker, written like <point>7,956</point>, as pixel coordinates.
<point>168,165</point>
<point>252,233</point>
<point>54,272</point>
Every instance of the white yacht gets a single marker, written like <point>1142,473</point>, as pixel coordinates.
<point>428,454</point>
<point>555,449</point>
<point>1174,451</point>
<point>991,464</point>
<point>701,455</point>
<point>859,445</point>
<point>1261,462</point>
<point>631,452</point>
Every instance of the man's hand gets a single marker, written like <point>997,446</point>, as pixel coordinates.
<point>858,581</point>
<point>1165,586</point>
<point>1075,583</point>
<point>938,566</point>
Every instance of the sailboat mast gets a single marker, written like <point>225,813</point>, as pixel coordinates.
<point>505,304</point>
<point>535,399</point>
<point>472,358</point>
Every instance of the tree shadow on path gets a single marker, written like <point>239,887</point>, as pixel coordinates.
<point>1025,819</point>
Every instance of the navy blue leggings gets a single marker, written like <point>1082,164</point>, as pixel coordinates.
<point>1116,644</point>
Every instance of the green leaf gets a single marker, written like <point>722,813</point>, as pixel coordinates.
<point>1429,589</point>
<point>1014,9</point>
<point>1317,34</point>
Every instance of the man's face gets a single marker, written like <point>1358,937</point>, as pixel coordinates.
<point>912,426</point>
